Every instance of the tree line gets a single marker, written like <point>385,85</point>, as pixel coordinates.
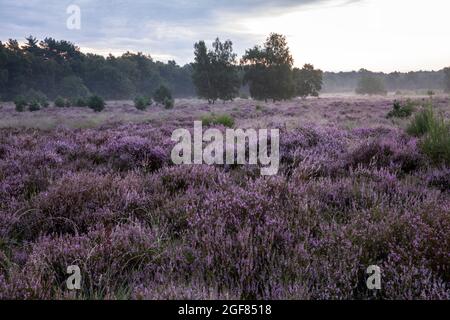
<point>379,81</point>
<point>59,68</point>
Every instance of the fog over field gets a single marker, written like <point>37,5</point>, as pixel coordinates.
<point>241,150</point>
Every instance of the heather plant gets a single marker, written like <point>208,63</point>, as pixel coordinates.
<point>96,103</point>
<point>109,200</point>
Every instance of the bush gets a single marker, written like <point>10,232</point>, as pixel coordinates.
<point>34,106</point>
<point>224,119</point>
<point>436,132</point>
<point>436,143</point>
<point>38,97</point>
<point>401,111</point>
<point>60,102</point>
<point>80,102</point>
<point>161,94</point>
<point>96,103</point>
<point>21,103</point>
<point>422,122</point>
<point>141,103</point>
<point>168,103</point>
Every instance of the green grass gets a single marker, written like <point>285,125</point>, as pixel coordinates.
<point>422,122</point>
<point>435,131</point>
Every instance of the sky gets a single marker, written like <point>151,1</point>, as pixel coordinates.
<point>333,35</point>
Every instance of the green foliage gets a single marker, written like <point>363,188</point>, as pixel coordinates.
<point>268,70</point>
<point>161,94</point>
<point>435,131</point>
<point>141,103</point>
<point>79,102</point>
<point>215,73</point>
<point>72,87</point>
<point>21,103</point>
<point>59,68</point>
<point>37,96</point>
<point>436,143</point>
<point>96,103</point>
<point>223,119</point>
<point>422,122</point>
<point>308,81</point>
<point>60,102</point>
<point>401,111</point>
<point>370,84</point>
<point>169,103</point>
<point>34,106</point>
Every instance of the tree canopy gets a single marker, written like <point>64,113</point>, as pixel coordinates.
<point>59,68</point>
<point>215,73</point>
<point>268,69</point>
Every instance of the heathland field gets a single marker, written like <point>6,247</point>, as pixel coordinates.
<point>355,188</point>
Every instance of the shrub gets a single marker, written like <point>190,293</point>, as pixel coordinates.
<point>60,102</point>
<point>168,103</point>
<point>401,111</point>
<point>141,103</point>
<point>34,106</point>
<point>20,103</point>
<point>436,143</point>
<point>223,119</point>
<point>80,102</point>
<point>421,122</point>
<point>37,96</point>
<point>161,94</point>
<point>96,103</point>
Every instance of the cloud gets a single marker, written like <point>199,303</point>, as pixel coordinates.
<point>161,28</point>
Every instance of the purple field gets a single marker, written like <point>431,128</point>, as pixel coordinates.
<point>99,190</point>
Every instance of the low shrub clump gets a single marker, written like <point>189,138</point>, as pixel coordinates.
<point>34,100</point>
<point>401,111</point>
<point>422,122</point>
<point>435,133</point>
<point>225,120</point>
<point>96,103</point>
<point>60,102</point>
<point>21,103</point>
<point>141,103</point>
<point>163,96</point>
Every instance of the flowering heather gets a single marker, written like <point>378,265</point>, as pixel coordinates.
<point>353,190</point>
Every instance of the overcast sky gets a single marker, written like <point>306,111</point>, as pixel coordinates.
<point>334,35</point>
